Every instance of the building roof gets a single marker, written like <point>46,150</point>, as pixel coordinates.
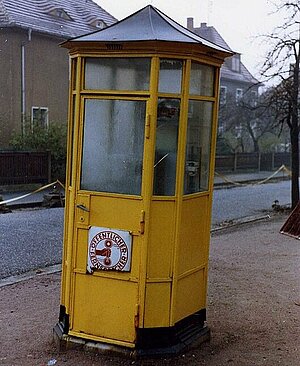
<point>211,34</point>
<point>244,76</point>
<point>61,18</point>
<point>148,24</point>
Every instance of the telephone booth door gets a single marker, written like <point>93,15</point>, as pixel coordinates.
<point>109,202</point>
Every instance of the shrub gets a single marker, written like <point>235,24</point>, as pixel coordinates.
<point>39,138</point>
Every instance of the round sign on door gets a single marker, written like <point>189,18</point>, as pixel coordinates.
<point>109,249</point>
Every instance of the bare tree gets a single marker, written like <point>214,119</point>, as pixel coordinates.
<point>248,120</point>
<point>282,64</point>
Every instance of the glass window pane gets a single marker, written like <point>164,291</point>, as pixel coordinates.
<point>202,80</point>
<point>113,146</point>
<point>39,117</point>
<point>166,147</point>
<point>117,73</point>
<point>73,73</point>
<point>198,146</point>
<point>170,75</point>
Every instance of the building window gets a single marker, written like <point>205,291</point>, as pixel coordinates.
<point>221,129</point>
<point>253,98</point>
<point>60,13</point>
<point>223,95</point>
<point>99,24</point>
<point>238,95</point>
<point>39,116</point>
<point>236,63</point>
<point>238,131</point>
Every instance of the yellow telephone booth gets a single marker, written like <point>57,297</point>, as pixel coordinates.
<point>142,128</point>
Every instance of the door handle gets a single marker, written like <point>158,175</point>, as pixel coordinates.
<point>82,207</point>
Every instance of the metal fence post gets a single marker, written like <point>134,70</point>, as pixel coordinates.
<point>49,166</point>
<point>235,162</point>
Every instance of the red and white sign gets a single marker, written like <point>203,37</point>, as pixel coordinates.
<point>109,249</point>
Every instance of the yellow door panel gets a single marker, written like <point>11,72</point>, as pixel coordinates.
<point>194,234</point>
<point>190,295</point>
<point>157,305</point>
<point>161,239</point>
<point>98,311</point>
<point>118,213</point>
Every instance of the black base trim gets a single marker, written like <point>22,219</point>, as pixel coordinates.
<point>150,342</point>
<point>64,319</point>
<point>183,333</point>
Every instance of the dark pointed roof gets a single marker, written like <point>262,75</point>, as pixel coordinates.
<point>211,34</point>
<point>147,24</point>
<point>37,15</point>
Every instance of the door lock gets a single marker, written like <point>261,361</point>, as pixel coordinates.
<point>82,207</point>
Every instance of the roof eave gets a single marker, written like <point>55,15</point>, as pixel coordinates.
<point>144,47</point>
<point>62,36</point>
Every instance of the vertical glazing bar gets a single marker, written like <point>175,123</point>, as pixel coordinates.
<point>180,181</point>
<point>149,152</point>
<point>71,202</point>
<point>212,159</point>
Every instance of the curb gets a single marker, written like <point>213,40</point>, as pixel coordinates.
<point>57,267</point>
<point>17,206</point>
<point>242,221</point>
<point>243,183</point>
<point>29,275</point>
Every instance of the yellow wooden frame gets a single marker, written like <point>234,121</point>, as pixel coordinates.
<point>76,102</point>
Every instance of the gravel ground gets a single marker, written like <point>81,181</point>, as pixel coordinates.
<point>253,308</point>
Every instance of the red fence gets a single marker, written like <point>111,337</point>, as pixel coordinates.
<point>24,167</point>
<point>252,161</point>
<point>35,167</point>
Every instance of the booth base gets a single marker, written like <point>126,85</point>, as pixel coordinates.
<point>152,342</point>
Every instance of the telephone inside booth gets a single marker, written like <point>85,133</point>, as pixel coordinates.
<point>193,164</point>
<point>168,112</point>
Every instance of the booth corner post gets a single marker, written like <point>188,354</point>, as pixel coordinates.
<point>141,144</point>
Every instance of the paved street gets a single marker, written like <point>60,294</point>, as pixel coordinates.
<point>32,238</point>
<point>238,202</point>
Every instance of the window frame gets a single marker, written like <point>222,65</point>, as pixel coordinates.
<point>239,94</point>
<point>35,108</point>
<point>223,97</point>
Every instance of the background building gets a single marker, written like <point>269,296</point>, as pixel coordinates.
<point>34,69</point>
<point>237,82</point>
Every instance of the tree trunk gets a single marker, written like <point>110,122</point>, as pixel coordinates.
<point>255,146</point>
<point>295,130</point>
<point>295,165</point>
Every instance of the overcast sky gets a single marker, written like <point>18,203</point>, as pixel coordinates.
<point>238,21</point>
